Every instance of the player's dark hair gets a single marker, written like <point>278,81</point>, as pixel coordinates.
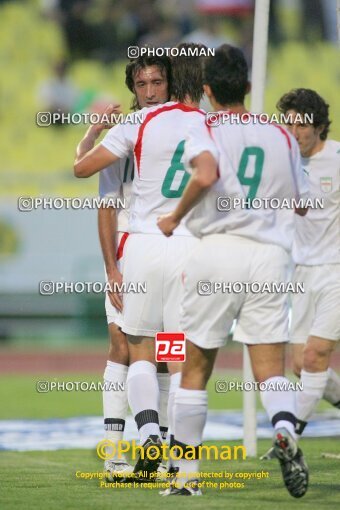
<point>135,65</point>
<point>187,72</point>
<point>226,73</point>
<point>307,101</point>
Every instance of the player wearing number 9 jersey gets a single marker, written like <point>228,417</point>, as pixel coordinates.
<point>245,245</point>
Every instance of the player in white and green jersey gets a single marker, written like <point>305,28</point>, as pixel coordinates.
<point>315,327</point>
<point>148,79</point>
<point>238,245</point>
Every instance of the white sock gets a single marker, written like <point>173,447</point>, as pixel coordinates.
<point>280,404</point>
<point>191,407</point>
<point>314,385</point>
<point>163,384</point>
<point>143,395</point>
<point>332,390</point>
<point>175,381</point>
<point>115,403</point>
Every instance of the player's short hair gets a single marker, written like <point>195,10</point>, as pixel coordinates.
<point>135,65</point>
<point>307,101</point>
<point>226,73</point>
<point>187,72</point>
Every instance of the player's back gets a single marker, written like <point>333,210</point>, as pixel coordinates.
<point>160,175</point>
<point>260,171</point>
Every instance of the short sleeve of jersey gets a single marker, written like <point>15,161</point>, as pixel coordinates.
<point>120,139</point>
<point>198,140</point>
<point>110,182</point>
<point>300,179</point>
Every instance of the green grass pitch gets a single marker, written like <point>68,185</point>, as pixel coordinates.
<point>35,480</point>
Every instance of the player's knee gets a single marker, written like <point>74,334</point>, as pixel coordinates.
<point>315,356</point>
<point>118,349</point>
<point>193,378</point>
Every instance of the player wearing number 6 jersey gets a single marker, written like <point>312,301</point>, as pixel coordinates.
<point>247,160</point>
<point>160,178</point>
<point>148,78</point>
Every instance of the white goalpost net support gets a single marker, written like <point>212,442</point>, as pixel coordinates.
<point>259,64</point>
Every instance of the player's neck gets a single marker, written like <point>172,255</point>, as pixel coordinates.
<point>315,149</point>
<point>188,102</point>
<point>235,108</point>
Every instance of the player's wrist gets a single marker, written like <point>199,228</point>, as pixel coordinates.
<point>176,217</point>
<point>93,132</point>
<point>111,270</point>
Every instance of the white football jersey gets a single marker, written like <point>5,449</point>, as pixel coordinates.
<point>256,161</point>
<point>115,181</point>
<point>160,175</point>
<point>317,239</point>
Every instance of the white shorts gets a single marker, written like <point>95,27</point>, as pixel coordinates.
<point>158,261</point>
<point>112,314</point>
<point>262,318</point>
<point>316,312</point>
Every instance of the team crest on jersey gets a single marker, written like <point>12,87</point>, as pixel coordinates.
<point>326,184</point>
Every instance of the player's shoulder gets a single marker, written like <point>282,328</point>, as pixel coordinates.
<point>151,110</point>
<point>332,147</point>
<point>174,107</point>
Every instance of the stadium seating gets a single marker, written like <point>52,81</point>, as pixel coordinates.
<point>39,160</point>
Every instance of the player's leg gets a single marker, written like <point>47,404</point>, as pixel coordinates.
<point>142,319</point>
<point>263,326</point>
<point>314,314</point>
<point>190,415</point>
<point>115,403</point>
<point>178,249</point>
<point>206,328</point>
<point>268,367</point>
<point>314,376</point>
<point>143,389</point>
<point>144,394</point>
<point>163,378</point>
<point>297,357</point>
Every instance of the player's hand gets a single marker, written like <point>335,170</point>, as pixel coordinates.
<point>115,279</point>
<point>167,224</point>
<point>96,129</point>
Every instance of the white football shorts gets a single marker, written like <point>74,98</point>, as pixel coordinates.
<point>157,261</point>
<point>208,312</point>
<point>316,312</point>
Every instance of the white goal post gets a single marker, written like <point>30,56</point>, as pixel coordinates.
<point>259,65</point>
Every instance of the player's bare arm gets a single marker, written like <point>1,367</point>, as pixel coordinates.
<point>90,159</point>
<point>203,177</point>
<point>107,226</point>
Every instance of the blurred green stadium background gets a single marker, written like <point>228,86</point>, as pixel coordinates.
<point>37,161</point>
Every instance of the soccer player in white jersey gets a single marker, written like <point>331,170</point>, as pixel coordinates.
<point>244,160</point>
<point>148,78</point>
<point>315,326</point>
<point>160,177</point>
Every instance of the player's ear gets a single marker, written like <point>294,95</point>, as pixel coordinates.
<point>248,88</point>
<point>319,129</point>
<point>207,90</point>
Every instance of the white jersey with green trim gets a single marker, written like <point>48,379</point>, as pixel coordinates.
<point>160,176</point>
<point>115,182</point>
<point>261,178</point>
<point>317,239</point>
